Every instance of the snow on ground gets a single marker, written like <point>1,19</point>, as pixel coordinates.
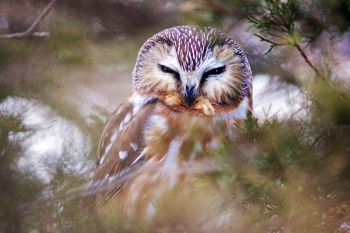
<point>273,99</point>
<point>49,140</point>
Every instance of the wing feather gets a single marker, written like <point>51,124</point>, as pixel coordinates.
<point>120,145</point>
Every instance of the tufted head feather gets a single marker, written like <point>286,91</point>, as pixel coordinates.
<point>199,70</point>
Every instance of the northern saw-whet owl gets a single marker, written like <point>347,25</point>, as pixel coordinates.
<point>187,80</point>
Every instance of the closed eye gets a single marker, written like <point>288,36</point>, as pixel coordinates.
<point>216,71</point>
<point>168,70</point>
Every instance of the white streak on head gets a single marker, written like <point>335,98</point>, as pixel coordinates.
<point>123,155</point>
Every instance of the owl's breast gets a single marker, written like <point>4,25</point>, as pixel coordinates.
<point>166,128</point>
<point>148,146</point>
<point>197,133</point>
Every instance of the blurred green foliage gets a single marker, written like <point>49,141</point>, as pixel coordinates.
<point>69,45</point>
<point>17,188</point>
<point>12,50</point>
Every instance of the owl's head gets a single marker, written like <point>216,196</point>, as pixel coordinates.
<point>198,70</point>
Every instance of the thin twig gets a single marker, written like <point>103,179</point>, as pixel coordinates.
<point>30,31</point>
<point>300,50</point>
<point>307,60</point>
<point>317,139</point>
<point>267,40</point>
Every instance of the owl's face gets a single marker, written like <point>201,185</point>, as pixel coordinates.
<point>195,70</point>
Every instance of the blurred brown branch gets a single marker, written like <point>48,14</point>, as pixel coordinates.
<point>307,60</point>
<point>219,6</point>
<point>30,31</point>
<point>268,40</point>
<point>298,47</point>
<point>108,185</point>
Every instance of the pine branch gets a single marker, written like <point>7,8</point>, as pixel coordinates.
<point>30,32</point>
<point>279,23</point>
<point>268,40</point>
<point>307,60</point>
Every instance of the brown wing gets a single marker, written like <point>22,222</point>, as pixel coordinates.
<point>121,144</point>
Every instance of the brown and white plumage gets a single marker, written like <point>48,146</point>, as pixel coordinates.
<point>184,78</point>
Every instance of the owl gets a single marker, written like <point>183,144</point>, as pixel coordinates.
<point>191,86</point>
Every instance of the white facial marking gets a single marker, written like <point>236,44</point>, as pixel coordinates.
<point>193,78</point>
<point>123,155</point>
<point>171,60</point>
<point>210,63</point>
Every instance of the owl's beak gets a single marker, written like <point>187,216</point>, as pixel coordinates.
<point>190,94</point>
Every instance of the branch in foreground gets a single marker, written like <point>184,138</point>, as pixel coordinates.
<point>307,60</point>
<point>107,185</point>
<point>268,41</point>
<point>297,46</point>
<point>30,31</point>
